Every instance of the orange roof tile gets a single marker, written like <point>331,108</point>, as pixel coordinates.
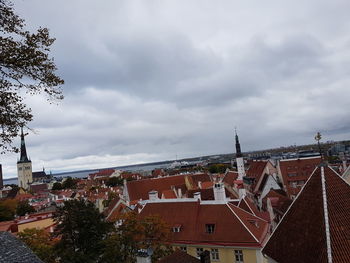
<point>168,194</point>
<point>139,189</point>
<point>297,170</point>
<point>303,228</point>
<point>244,228</point>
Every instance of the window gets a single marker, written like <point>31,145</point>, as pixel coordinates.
<point>176,229</point>
<point>199,251</point>
<point>184,249</point>
<point>214,254</point>
<point>27,168</point>
<point>292,174</point>
<point>19,168</point>
<point>239,256</point>
<point>209,228</point>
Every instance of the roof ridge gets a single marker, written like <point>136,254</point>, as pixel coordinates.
<point>252,212</point>
<point>326,219</point>
<point>240,220</point>
<point>301,190</point>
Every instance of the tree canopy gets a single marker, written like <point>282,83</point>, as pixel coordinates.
<point>82,229</point>
<point>23,207</point>
<point>25,68</point>
<point>135,233</point>
<point>40,242</point>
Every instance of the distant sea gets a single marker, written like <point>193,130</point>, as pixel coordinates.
<point>84,173</point>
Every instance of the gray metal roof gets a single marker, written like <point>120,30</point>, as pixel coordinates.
<point>12,250</point>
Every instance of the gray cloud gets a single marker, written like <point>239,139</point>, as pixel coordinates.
<point>147,81</point>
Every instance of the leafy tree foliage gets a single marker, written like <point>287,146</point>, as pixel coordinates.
<point>218,168</point>
<point>25,68</point>
<point>40,242</point>
<point>137,233</point>
<point>57,186</point>
<point>111,196</point>
<point>23,208</point>
<point>114,181</point>
<point>69,183</point>
<point>8,209</point>
<point>82,229</point>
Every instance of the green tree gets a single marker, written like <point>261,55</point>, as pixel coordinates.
<point>137,233</point>
<point>57,186</point>
<point>40,242</point>
<point>25,68</point>
<point>8,209</point>
<point>82,229</point>
<point>218,168</point>
<point>23,207</point>
<point>114,181</point>
<point>69,183</point>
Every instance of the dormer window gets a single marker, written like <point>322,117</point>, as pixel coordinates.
<point>209,228</point>
<point>176,228</point>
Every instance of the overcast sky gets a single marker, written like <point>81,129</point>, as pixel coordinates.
<point>149,80</point>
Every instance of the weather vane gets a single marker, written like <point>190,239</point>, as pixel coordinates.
<point>318,137</point>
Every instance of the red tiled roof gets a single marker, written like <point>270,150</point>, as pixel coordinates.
<point>301,170</point>
<point>208,193</point>
<point>22,197</point>
<point>279,200</point>
<point>233,226</point>
<point>202,177</point>
<point>206,185</point>
<point>230,177</point>
<point>139,189</point>
<point>303,228</point>
<point>168,194</point>
<point>256,169</point>
<point>248,206</point>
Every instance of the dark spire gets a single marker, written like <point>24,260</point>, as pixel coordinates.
<point>24,158</point>
<point>238,146</point>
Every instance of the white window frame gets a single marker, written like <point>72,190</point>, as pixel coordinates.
<point>214,254</point>
<point>199,251</point>
<point>239,256</point>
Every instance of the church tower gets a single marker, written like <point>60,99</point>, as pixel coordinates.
<point>239,159</point>
<point>24,166</point>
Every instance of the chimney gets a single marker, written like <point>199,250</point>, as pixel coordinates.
<point>219,192</point>
<point>143,257</point>
<point>197,195</point>
<point>153,195</point>
<point>242,193</point>
<point>344,168</point>
<point>179,193</point>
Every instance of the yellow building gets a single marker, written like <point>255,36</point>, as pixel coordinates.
<point>38,221</point>
<point>230,233</point>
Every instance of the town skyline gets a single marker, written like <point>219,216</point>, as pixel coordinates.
<point>142,85</point>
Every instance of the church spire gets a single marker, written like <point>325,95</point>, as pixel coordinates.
<point>24,158</point>
<point>238,145</point>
